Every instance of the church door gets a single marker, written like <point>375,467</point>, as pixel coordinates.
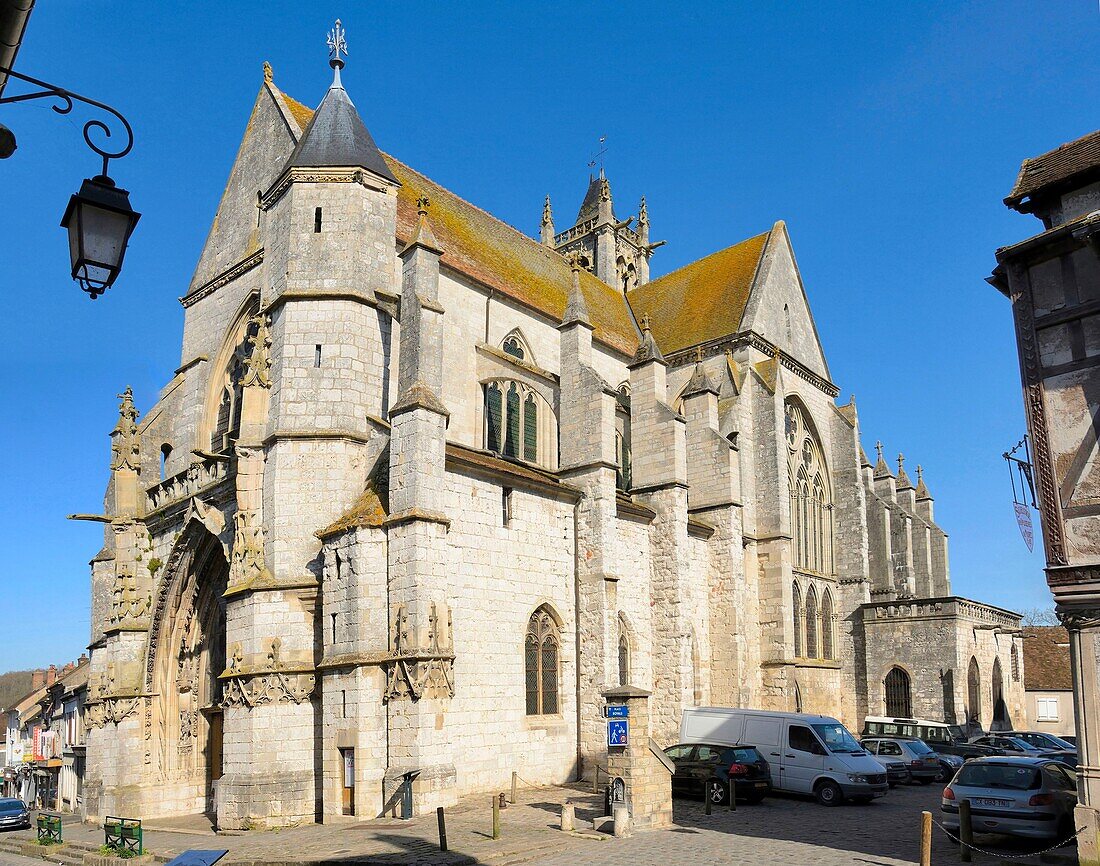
<point>187,717</point>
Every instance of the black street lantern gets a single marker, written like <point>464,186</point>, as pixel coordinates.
<point>99,217</point>
<point>100,221</point>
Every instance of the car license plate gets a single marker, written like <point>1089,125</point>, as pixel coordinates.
<point>989,801</point>
<point>761,784</point>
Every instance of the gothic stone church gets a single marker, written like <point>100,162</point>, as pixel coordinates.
<point>423,487</point>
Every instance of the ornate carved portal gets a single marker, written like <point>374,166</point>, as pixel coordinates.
<point>183,724</point>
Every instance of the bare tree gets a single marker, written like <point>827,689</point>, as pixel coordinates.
<point>1039,616</point>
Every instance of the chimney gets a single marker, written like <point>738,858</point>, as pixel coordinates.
<point>51,675</point>
<point>38,679</point>
<point>83,658</point>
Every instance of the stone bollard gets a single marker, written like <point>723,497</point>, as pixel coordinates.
<point>568,816</point>
<point>622,820</point>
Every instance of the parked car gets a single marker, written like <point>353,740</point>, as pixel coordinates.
<point>1069,738</point>
<point>1043,740</point>
<point>945,739</point>
<point>896,771</point>
<point>708,769</point>
<point>921,763</point>
<point>1031,797</point>
<point>14,814</point>
<point>949,766</point>
<point>808,754</point>
<point>1009,745</point>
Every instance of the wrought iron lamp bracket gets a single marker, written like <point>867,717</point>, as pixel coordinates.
<point>66,98</point>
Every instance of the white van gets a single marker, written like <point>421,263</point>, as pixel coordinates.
<point>808,754</point>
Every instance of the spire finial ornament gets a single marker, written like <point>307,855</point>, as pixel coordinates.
<point>422,205</point>
<point>878,448</point>
<point>645,321</point>
<point>643,212</point>
<point>901,462</point>
<point>920,473</point>
<point>337,45</point>
<point>269,73</point>
<point>698,354</point>
<point>547,214</point>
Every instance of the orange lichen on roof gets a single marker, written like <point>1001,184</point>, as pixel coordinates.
<point>370,509</point>
<point>496,255</point>
<point>302,114</point>
<point>500,257</point>
<point>701,301</point>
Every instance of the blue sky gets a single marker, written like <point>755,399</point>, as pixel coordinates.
<point>885,134</point>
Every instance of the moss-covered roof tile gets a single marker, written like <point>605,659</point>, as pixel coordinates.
<point>702,301</point>
<point>493,253</point>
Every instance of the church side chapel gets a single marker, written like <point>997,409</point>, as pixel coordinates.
<point>423,487</point>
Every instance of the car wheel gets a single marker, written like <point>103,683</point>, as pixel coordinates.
<point>944,775</point>
<point>829,794</point>
<point>716,791</point>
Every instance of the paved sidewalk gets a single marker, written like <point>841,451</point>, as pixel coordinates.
<point>529,828</point>
<point>781,831</point>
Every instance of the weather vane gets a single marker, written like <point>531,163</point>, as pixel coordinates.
<point>599,156</point>
<point>337,45</point>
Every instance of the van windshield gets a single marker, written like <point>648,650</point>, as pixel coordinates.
<point>837,739</point>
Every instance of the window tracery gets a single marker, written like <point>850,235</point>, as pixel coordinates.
<point>519,423</point>
<point>542,649</point>
<point>810,494</point>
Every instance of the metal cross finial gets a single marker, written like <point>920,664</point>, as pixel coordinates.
<point>645,321</point>
<point>599,156</point>
<point>337,45</point>
<point>422,205</point>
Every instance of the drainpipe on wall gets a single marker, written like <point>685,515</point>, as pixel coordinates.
<point>577,630</point>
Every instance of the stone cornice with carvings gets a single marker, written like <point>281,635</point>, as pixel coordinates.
<point>754,341</point>
<point>226,276</point>
<point>297,174</point>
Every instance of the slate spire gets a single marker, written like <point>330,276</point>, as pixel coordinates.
<point>336,136</point>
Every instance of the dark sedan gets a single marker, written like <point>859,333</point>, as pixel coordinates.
<point>710,770</point>
<point>14,814</point>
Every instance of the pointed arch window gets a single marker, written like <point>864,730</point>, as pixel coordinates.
<point>811,624</point>
<point>810,492</point>
<point>515,347</point>
<point>899,698</point>
<point>827,649</point>
<point>796,605</point>
<point>542,649</point>
<point>518,423</point>
<point>1015,659</point>
<point>624,659</point>
<point>227,419</point>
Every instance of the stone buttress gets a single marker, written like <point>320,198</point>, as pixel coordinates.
<point>420,666</point>
<point>587,446</point>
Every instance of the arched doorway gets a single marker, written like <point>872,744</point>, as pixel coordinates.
<point>899,697</point>
<point>190,656</point>
<point>1001,720</point>
<point>973,695</point>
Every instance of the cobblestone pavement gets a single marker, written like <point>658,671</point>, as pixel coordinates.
<point>781,831</point>
<point>788,831</point>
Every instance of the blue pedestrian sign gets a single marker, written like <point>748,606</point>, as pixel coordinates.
<point>617,711</point>
<point>617,733</point>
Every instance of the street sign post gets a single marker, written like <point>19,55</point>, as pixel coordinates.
<point>617,733</point>
<point>617,711</point>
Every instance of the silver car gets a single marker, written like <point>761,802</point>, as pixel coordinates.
<point>13,814</point>
<point>1032,797</point>
<point>920,761</point>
